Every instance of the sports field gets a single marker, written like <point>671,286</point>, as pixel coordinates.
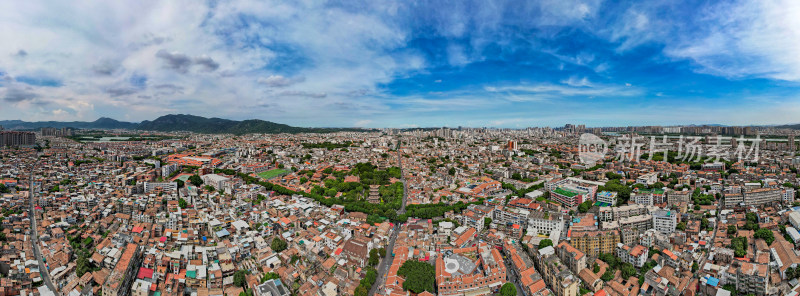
<point>272,173</point>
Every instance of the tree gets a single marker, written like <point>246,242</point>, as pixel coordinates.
<point>420,276</point>
<point>731,288</point>
<point>695,267</point>
<point>240,278</point>
<point>361,291</point>
<point>732,230</point>
<point>613,176</point>
<point>182,203</point>
<point>585,206</point>
<point>596,268</point>
<point>628,270</point>
<point>382,252</point>
<point>739,246</point>
<point>765,234</point>
<point>373,257</point>
<point>545,243</point>
<point>270,276</point>
<point>487,221</point>
<point>82,266</point>
<point>607,276</point>
<point>278,245</point>
<point>681,226</point>
<point>4,189</point>
<point>451,171</point>
<point>196,180</point>
<point>180,183</point>
<point>609,259</point>
<point>508,289</point>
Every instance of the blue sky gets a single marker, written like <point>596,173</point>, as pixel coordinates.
<point>404,63</point>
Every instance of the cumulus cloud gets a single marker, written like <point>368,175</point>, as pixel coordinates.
<point>222,58</point>
<point>121,91</point>
<point>168,89</point>
<point>279,81</point>
<point>181,62</point>
<point>16,95</point>
<point>207,63</point>
<point>747,37</point>
<point>175,60</point>
<point>105,68</point>
<point>297,93</point>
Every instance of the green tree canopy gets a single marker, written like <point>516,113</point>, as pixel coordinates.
<point>545,243</point>
<point>732,229</point>
<point>278,245</point>
<point>508,289</point>
<point>420,276</point>
<point>765,234</point>
<point>240,278</point>
<point>196,180</point>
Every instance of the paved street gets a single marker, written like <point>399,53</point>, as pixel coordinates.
<point>513,277</point>
<point>710,243</point>
<point>35,234</point>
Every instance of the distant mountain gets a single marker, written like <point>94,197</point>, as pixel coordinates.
<point>789,126</point>
<point>100,123</point>
<point>177,122</point>
<point>199,124</point>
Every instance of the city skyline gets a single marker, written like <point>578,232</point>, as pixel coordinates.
<point>388,64</point>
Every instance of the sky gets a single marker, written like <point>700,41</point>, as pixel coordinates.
<point>378,63</point>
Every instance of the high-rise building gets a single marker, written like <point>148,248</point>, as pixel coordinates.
<point>14,139</point>
<point>57,132</point>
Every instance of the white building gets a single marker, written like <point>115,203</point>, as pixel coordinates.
<point>665,221</point>
<point>214,180</point>
<point>788,195</point>
<point>647,179</point>
<point>166,186</point>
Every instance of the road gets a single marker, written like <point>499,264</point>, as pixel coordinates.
<point>713,237</point>
<point>383,266</point>
<point>512,275</point>
<point>43,271</point>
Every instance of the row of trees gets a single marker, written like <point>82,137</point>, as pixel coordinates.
<point>366,283</point>
<point>375,256</point>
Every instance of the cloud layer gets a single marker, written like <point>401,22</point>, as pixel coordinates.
<point>400,63</point>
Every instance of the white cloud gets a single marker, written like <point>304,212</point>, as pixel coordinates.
<point>363,123</point>
<point>746,38</point>
<point>279,81</point>
<point>574,81</point>
<point>569,88</point>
